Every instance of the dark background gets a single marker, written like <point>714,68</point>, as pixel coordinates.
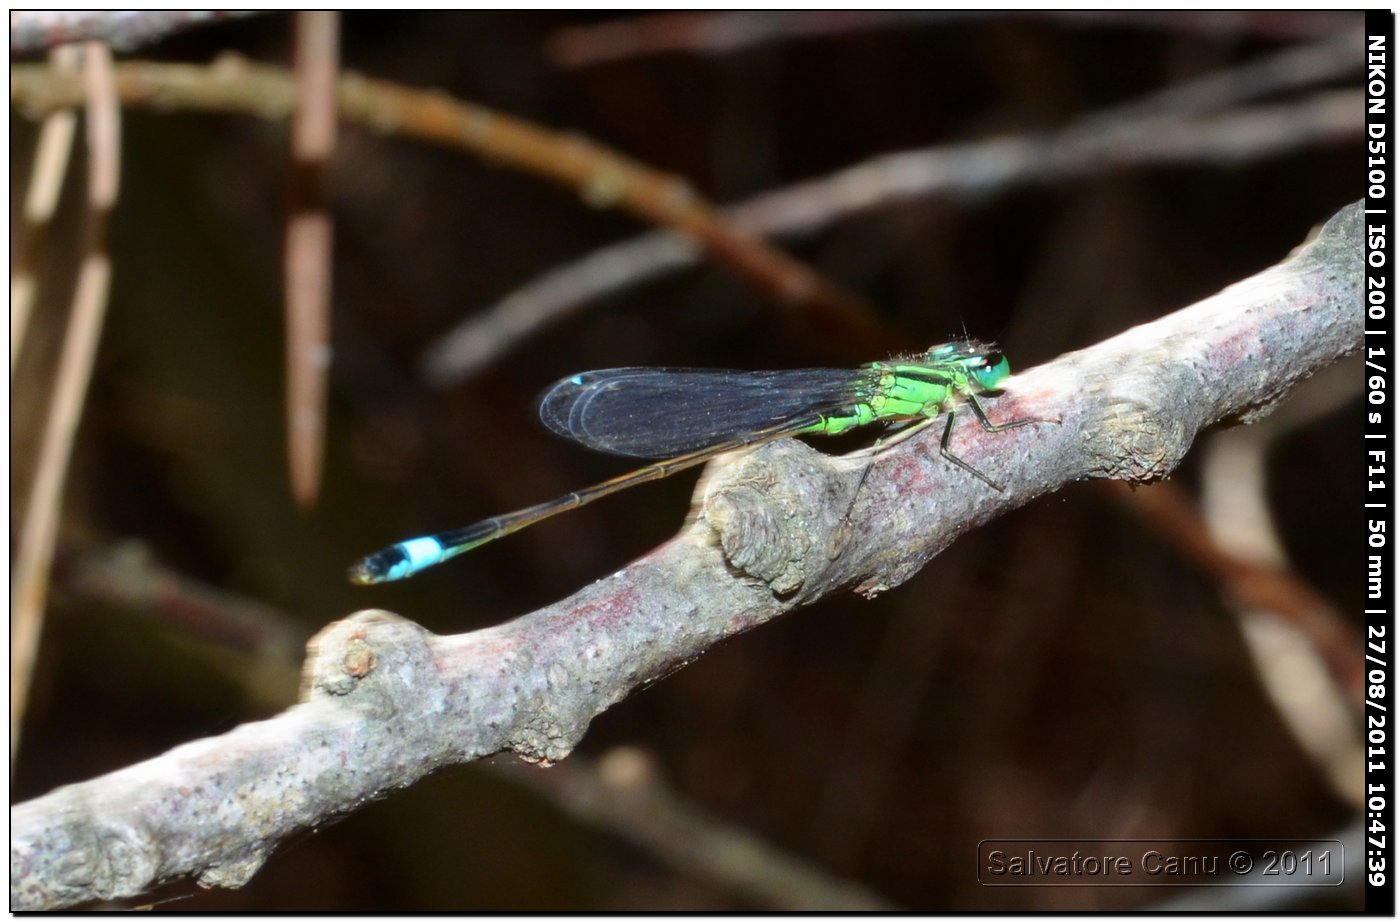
<point>1061,672</point>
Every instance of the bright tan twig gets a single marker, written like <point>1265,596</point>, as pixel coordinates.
<point>309,249</point>
<point>51,157</point>
<point>39,532</point>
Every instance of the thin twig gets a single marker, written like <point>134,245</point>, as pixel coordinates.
<point>1310,65</point>
<point>1305,651</point>
<point>40,530</point>
<point>1249,584</point>
<point>308,249</point>
<point>1234,496</point>
<point>623,794</point>
<point>386,702</point>
<point>51,157</point>
<point>603,178</point>
<point>714,33</point>
<point>717,33</point>
<point>126,576</point>
<point>1301,686</point>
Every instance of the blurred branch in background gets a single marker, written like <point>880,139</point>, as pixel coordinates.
<point>1277,596</point>
<point>603,178</point>
<point>622,793</point>
<point>1251,582</point>
<point>1319,682</point>
<point>39,532</point>
<point>1171,126</point>
<point>1312,64</point>
<point>123,30</point>
<point>263,639</point>
<point>309,249</point>
<point>727,33</point>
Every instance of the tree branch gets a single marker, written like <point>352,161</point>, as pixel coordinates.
<point>623,793</point>
<point>386,702</point>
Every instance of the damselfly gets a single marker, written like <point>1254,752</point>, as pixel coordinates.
<point>693,415</point>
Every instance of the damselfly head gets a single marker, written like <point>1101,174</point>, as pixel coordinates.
<point>988,369</point>
<point>982,362</point>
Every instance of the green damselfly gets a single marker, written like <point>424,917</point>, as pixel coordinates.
<point>692,415</point>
